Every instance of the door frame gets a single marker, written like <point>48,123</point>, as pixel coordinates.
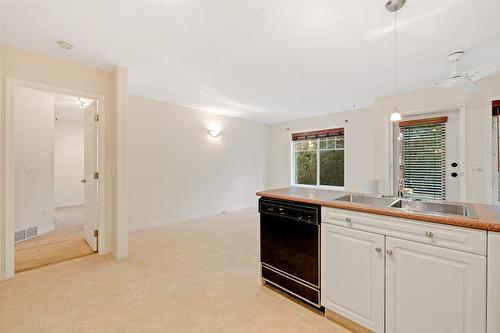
<point>103,225</point>
<point>460,108</point>
<point>489,163</point>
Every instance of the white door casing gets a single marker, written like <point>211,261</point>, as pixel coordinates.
<point>7,237</point>
<point>455,149</point>
<point>90,181</point>
<point>453,156</point>
<point>352,269</point>
<point>434,290</point>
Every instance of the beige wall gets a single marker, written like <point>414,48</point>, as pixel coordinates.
<point>367,153</point>
<point>477,109</point>
<point>41,69</point>
<point>358,136</point>
<point>176,171</point>
<point>34,159</point>
<point>68,163</point>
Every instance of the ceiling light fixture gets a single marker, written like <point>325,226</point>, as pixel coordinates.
<point>393,6</point>
<point>456,78</point>
<point>64,45</point>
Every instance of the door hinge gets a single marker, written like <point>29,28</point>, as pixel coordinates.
<point>96,175</point>
<point>96,117</point>
<point>96,233</point>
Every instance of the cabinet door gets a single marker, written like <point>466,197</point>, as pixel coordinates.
<point>434,290</point>
<point>352,275</point>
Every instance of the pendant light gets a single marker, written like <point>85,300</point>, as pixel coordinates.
<point>393,6</point>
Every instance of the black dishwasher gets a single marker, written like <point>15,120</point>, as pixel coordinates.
<point>289,247</point>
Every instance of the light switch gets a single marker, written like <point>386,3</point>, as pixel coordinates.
<point>31,168</point>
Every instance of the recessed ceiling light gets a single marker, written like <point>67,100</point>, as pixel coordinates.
<point>64,45</point>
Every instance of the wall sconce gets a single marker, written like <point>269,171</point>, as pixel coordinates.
<point>214,130</point>
<point>214,133</point>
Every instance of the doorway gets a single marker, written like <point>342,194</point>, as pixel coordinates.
<point>54,160</point>
<point>428,158</point>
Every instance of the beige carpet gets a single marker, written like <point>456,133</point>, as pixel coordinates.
<point>64,243</point>
<point>194,276</point>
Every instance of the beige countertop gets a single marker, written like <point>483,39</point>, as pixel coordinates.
<point>488,216</point>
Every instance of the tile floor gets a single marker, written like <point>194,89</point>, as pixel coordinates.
<point>193,276</point>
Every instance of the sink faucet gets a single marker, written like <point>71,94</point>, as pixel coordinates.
<point>402,190</point>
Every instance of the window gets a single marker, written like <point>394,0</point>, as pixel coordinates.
<point>319,158</point>
<point>423,158</point>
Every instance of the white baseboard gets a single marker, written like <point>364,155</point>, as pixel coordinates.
<point>186,218</point>
<point>46,230</point>
<point>40,232</point>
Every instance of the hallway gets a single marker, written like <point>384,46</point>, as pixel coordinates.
<point>64,243</point>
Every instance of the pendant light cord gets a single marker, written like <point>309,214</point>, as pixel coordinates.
<point>395,64</point>
<point>395,52</point>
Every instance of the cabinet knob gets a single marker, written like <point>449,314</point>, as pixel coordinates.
<point>429,234</point>
<point>348,219</point>
<point>378,249</point>
<point>388,252</point>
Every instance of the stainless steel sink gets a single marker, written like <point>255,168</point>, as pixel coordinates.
<point>424,207</point>
<point>437,208</point>
<point>367,200</point>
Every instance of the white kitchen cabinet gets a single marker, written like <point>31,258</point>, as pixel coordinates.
<point>352,277</point>
<point>433,290</point>
<point>451,237</point>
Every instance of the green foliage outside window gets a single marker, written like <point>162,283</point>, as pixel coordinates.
<point>305,167</point>
<point>331,161</point>
<point>332,168</point>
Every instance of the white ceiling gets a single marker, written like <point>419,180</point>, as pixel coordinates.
<point>268,61</point>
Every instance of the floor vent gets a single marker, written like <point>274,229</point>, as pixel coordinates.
<point>25,234</point>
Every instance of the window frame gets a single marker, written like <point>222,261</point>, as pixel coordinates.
<point>318,186</point>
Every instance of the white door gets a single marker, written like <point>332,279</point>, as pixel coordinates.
<point>352,275</point>
<point>453,170</point>
<point>90,180</point>
<point>434,290</point>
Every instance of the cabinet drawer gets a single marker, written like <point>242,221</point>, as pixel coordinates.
<point>458,238</point>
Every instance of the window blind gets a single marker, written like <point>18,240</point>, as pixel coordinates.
<point>423,149</point>
<point>318,134</point>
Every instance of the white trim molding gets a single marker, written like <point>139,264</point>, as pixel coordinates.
<point>489,181</point>
<point>9,222</point>
<point>346,163</point>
